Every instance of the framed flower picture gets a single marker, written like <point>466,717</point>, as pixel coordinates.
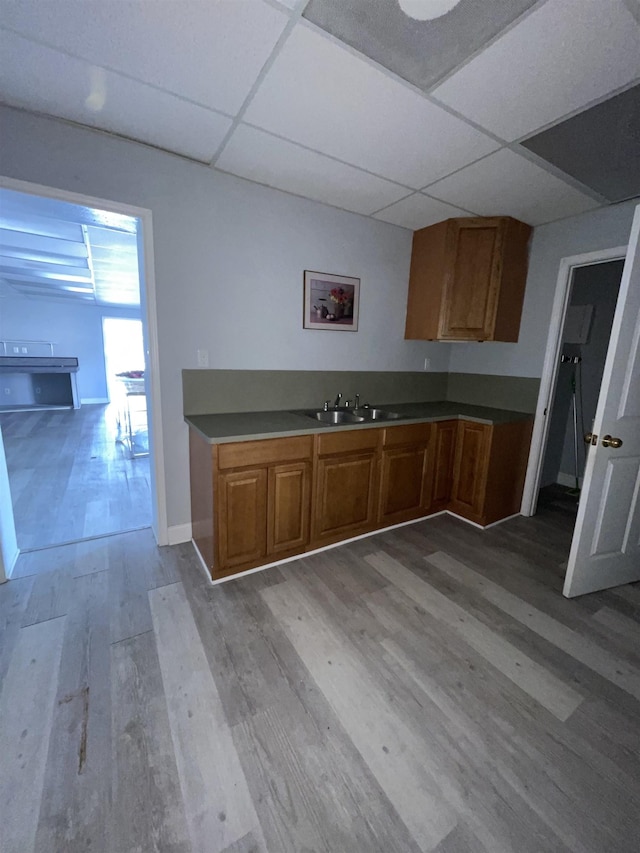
<point>331,301</point>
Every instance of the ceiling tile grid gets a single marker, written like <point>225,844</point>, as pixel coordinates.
<point>506,184</point>
<point>298,109</point>
<point>323,96</point>
<point>419,210</point>
<point>560,58</point>
<point>262,157</point>
<point>46,80</point>
<point>421,52</point>
<point>210,53</point>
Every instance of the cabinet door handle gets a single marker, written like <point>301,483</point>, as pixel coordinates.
<point>609,441</point>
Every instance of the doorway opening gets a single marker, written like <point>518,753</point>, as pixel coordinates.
<point>584,342</point>
<point>81,279</point>
<point>124,368</point>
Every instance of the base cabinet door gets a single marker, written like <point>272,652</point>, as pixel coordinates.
<point>402,485</point>
<point>289,490</point>
<point>242,516</point>
<point>470,469</point>
<point>344,497</point>
<point>441,476</point>
<point>404,473</point>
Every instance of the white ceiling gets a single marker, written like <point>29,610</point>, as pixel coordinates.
<point>51,249</point>
<point>250,87</point>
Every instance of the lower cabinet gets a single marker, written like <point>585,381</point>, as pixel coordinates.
<point>242,517</point>
<point>255,502</point>
<point>489,470</point>
<point>404,474</point>
<point>288,503</point>
<point>441,479</point>
<point>260,503</point>
<point>344,501</point>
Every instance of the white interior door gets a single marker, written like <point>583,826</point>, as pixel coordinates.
<point>605,551</point>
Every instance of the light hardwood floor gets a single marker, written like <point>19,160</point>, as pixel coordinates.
<point>426,689</point>
<point>69,478</point>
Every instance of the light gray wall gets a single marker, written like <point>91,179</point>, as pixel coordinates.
<point>601,229</point>
<point>74,327</point>
<point>229,260</point>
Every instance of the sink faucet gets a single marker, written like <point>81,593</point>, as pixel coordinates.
<point>356,404</point>
<point>337,400</point>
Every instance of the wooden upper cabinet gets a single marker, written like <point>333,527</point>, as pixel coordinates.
<point>467,280</point>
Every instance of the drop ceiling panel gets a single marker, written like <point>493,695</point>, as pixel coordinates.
<point>586,148</point>
<point>209,52</point>
<point>418,211</point>
<point>561,57</point>
<point>421,52</point>
<point>506,184</point>
<point>257,155</point>
<point>321,95</point>
<point>41,79</point>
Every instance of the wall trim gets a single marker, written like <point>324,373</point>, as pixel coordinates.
<point>549,377</point>
<point>304,554</point>
<point>10,566</point>
<point>159,524</point>
<point>179,533</point>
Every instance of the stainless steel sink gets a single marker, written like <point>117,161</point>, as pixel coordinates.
<point>378,414</point>
<point>336,416</point>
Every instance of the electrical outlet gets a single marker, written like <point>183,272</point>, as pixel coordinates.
<point>203,357</point>
<point>427,364</point>
<point>25,349</point>
<point>16,349</point>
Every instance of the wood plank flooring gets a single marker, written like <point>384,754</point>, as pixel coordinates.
<point>69,478</point>
<point>425,689</point>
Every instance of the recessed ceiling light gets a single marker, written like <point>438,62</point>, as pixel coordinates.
<point>427,10</point>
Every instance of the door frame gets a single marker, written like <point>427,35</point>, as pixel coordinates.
<point>159,523</point>
<point>549,379</point>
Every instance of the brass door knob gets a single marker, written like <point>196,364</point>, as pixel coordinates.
<point>590,438</point>
<point>609,441</point>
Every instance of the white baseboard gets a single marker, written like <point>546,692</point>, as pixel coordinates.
<point>304,554</point>
<point>179,533</point>
<point>88,401</point>
<point>10,564</point>
<point>568,480</point>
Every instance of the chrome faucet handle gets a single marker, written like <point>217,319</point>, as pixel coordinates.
<point>326,405</point>
<point>338,398</point>
<point>347,404</point>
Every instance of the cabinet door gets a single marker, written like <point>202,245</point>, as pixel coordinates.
<point>402,484</point>
<point>472,279</point>
<point>242,517</point>
<point>470,469</point>
<point>288,508</point>
<point>441,476</point>
<point>344,496</point>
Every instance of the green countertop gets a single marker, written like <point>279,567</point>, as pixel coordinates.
<point>250,426</point>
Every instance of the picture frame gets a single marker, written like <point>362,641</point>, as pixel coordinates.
<point>331,302</point>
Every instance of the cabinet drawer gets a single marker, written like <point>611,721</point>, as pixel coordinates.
<point>348,441</point>
<point>407,434</point>
<point>242,454</point>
